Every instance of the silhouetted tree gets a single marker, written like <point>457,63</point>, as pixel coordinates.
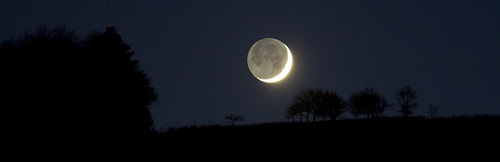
<point>406,99</point>
<point>302,104</point>
<point>294,111</point>
<point>367,102</point>
<point>316,100</point>
<point>127,92</point>
<point>233,118</point>
<point>432,110</point>
<point>334,105</point>
<point>317,103</point>
<point>328,104</point>
<point>34,71</point>
<point>56,82</point>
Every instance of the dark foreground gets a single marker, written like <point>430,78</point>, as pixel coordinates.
<point>477,129</point>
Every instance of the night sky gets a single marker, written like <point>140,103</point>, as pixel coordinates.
<point>195,51</point>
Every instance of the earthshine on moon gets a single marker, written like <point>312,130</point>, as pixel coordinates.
<point>269,60</point>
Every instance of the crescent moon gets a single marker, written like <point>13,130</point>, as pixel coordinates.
<point>284,72</point>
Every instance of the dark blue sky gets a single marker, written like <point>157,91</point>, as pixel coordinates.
<point>195,51</point>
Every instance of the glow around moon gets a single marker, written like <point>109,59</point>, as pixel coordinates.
<point>269,60</point>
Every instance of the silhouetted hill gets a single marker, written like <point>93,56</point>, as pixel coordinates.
<point>405,130</point>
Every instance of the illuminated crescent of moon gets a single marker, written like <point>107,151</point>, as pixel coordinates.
<point>284,72</point>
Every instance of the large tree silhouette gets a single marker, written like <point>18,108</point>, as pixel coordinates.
<point>57,82</point>
<point>406,98</point>
<point>367,102</point>
<point>316,103</point>
<point>330,105</point>
<point>293,111</point>
<point>301,105</point>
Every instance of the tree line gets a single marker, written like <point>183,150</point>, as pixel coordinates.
<point>51,80</point>
<point>314,104</point>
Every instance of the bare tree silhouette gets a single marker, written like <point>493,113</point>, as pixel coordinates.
<point>294,111</point>
<point>233,118</point>
<point>301,105</point>
<point>330,105</point>
<point>316,103</point>
<point>367,102</point>
<point>406,98</point>
<point>432,110</point>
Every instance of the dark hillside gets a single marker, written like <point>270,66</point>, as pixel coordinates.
<point>416,129</point>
